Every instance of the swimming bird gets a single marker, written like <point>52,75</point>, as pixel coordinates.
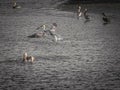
<point>105,18</point>
<point>37,35</point>
<point>28,58</point>
<point>40,33</point>
<point>79,11</point>
<point>86,16</point>
<point>16,6</point>
<point>52,32</point>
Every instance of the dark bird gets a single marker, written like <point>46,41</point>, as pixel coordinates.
<point>86,16</point>
<point>105,18</point>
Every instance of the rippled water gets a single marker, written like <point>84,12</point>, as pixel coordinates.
<point>86,59</point>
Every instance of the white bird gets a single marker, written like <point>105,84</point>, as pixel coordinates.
<point>28,58</point>
<point>16,6</point>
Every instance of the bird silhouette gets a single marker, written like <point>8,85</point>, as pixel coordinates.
<point>105,19</point>
<point>86,16</point>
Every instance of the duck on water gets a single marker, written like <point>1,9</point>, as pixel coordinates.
<point>15,6</point>
<point>105,18</point>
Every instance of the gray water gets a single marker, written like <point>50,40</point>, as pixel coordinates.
<point>88,57</point>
